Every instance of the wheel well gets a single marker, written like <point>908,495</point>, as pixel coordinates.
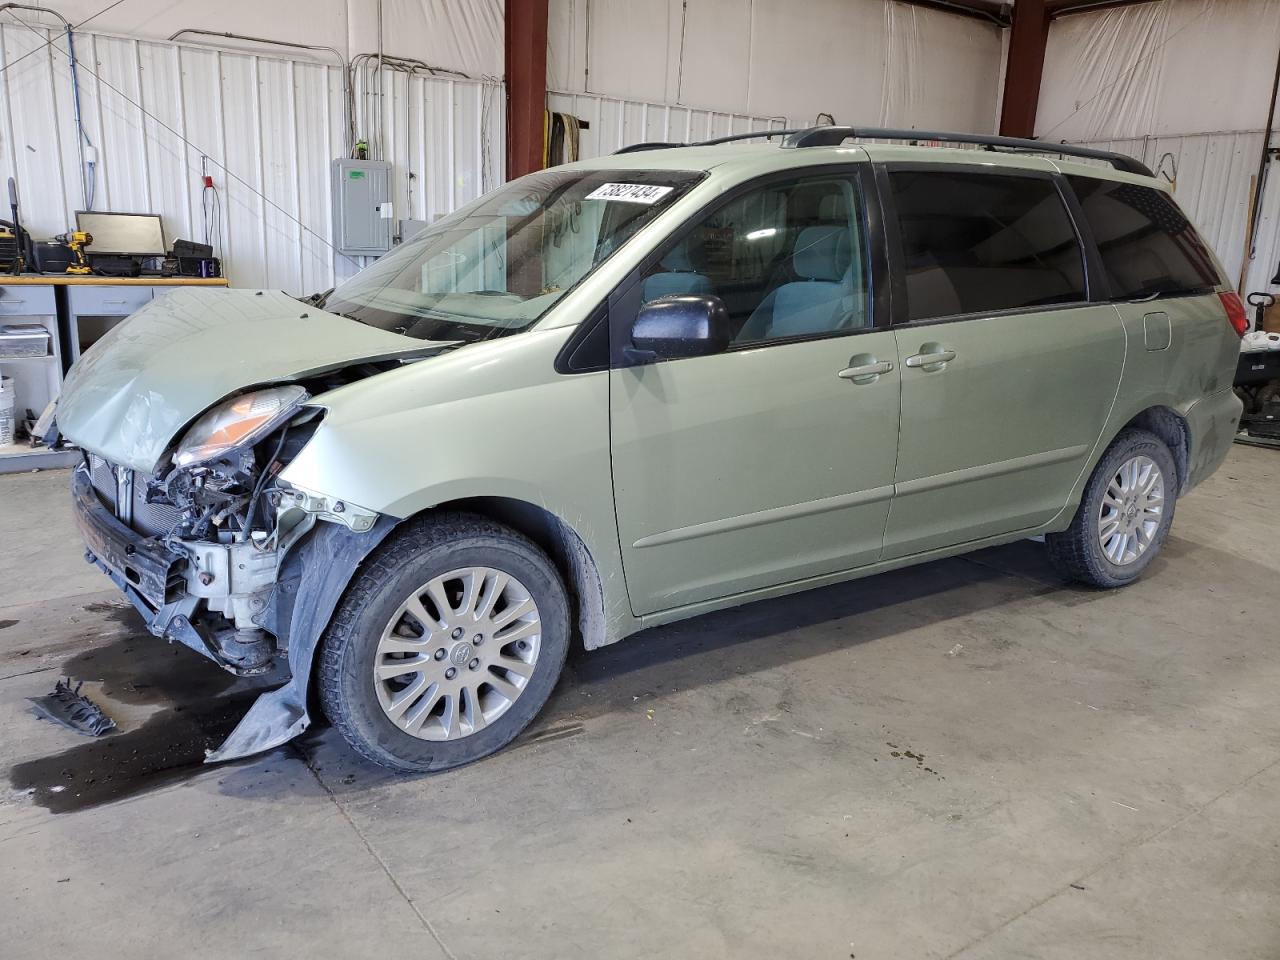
<point>1172,429</point>
<point>564,547</point>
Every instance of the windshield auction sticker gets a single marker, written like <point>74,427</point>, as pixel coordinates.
<point>629,192</point>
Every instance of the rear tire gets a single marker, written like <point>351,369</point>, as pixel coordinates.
<point>477,617</point>
<point>1124,514</point>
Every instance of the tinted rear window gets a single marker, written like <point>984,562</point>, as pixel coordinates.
<point>1148,246</point>
<point>978,242</point>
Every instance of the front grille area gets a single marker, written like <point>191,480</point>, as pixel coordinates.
<point>103,477</point>
<point>153,519</point>
<point>149,519</point>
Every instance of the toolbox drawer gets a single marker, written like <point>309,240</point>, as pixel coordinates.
<point>107,301</point>
<point>20,300</point>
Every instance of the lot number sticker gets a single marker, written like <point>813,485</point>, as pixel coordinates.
<point>645,193</point>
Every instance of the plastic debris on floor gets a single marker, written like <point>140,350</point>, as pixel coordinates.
<point>70,708</point>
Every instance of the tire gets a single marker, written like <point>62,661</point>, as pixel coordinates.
<point>1078,552</point>
<point>478,710</point>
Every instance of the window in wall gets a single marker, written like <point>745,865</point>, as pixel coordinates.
<point>787,260</point>
<point>977,242</point>
<point>1149,248</point>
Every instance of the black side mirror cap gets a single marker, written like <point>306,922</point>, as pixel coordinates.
<point>685,325</point>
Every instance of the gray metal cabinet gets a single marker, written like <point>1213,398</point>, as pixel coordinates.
<point>93,310</point>
<point>36,379</point>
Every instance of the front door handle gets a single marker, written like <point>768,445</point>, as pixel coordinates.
<point>864,369</point>
<point>932,356</point>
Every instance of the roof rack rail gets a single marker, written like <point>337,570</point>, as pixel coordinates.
<point>829,136</point>
<point>753,135</point>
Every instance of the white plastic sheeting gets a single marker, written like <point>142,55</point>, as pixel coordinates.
<point>864,61</point>
<point>1215,173</point>
<point>461,35</point>
<point>615,123</point>
<point>1159,69</point>
<point>268,125</point>
<point>1148,79</point>
<point>465,35</point>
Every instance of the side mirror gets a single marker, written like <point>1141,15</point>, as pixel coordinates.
<point>686,325</point>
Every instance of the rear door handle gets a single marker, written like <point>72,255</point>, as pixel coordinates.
<point>930,359</point>
<point>868,372</point>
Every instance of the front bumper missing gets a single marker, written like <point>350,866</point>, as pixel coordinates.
<point>154,580</point>
<point>139,565</point>
<point>149,573</point>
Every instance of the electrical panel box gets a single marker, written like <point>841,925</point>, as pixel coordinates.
<point>411,228</point>
<point>362,214</point>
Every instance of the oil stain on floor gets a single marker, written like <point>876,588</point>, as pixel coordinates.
<point>200,705</point>
<point>167,748</point>
<point>145,670</point>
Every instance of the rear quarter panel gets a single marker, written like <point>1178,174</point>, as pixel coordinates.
<point>1192,376</point>
<point>1199,362</point>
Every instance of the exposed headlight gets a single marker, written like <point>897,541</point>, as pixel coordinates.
<point>242,421</point>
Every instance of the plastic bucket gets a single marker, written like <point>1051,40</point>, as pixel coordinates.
<point>6,410</point>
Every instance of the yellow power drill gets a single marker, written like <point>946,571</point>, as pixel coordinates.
<point>77,240</point>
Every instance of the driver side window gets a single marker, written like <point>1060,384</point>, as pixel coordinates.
<point>788,260</point>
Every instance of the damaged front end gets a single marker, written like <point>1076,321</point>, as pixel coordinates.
<point>218,553</point>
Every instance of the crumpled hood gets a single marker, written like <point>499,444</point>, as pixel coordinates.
<point>127,397</point>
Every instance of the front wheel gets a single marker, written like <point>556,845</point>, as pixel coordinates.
<point>446,645</point>
<point>1124,515</point>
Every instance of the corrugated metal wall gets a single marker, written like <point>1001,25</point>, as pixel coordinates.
<point>269,126</point>
<point>617,123</point>
<point>1214,185</point>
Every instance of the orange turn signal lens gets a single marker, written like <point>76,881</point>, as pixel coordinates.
<point>241,421</point>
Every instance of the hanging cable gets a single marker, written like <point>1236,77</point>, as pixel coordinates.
<point>210,209</point>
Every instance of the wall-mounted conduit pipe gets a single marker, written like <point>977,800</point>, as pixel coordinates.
<point>86,183</point>
<point>364,64</point>
<point>348,120</point>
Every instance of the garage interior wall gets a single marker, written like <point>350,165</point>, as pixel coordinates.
<point>268,122</point>
<point>867,62</point>
<point>1182,86</point>
<point>463,35</point>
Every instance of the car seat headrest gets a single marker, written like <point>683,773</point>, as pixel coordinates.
<point>822,253</point>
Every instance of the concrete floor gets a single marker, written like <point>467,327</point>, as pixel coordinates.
<point>967,759</point>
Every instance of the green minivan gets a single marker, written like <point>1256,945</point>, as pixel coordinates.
<point>631,390</point>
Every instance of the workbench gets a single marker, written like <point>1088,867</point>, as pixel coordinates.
<point>77,311</point>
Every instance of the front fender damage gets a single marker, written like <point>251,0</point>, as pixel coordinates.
<point>312,580</point>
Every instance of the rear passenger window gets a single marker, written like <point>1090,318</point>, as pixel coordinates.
<point>979,242</point>
<point>1148,246</point>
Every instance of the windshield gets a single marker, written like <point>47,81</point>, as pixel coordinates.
<point>497,265</point>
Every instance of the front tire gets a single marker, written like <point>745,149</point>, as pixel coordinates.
<point>446,645</point>
<point>1124,515</point>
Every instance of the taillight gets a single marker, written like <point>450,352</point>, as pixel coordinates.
<point>1236,315</point>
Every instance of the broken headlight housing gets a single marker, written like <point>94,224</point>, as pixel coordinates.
<point>239,422</point>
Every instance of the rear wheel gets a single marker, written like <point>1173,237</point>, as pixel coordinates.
<point>446,645</point>
<point>1124,515</point>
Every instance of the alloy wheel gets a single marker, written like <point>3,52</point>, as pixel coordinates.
<point>1131,511</point>
<point>457,653</point>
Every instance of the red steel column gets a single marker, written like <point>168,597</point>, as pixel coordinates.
<point>1023,70</point>
<point>526,61</point>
